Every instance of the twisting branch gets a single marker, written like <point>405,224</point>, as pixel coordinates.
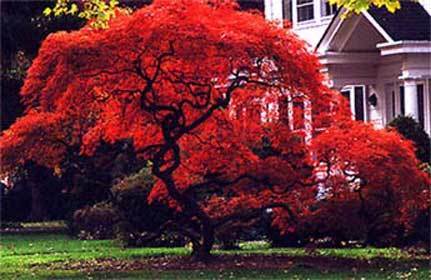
<point>166,156</point>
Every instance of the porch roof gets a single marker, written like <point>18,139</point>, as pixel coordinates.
<point>411,23</point>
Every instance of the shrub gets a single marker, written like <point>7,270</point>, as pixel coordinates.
<point>139,219</point>
<point>95,222</point>
<point>128,216</point>
<point>413,131</point>
<point>317,226</point>
<point>230,236</point>
<point>340,223</point>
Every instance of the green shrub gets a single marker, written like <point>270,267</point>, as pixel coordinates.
<point>413,131</point>
<point>139,219</point>
<point>95,222</point>
<point>127,217</point>
<point>230,236</point>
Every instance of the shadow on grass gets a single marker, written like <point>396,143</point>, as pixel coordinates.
<point>61,257</point>
<point>244,267</point>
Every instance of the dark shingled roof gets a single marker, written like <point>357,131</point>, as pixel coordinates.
<point>411,22</point>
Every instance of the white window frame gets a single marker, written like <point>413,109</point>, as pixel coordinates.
<point>398,100</point>
<point>323,9</point>
<point>351,90</point>
<point>287,5</point>
<point>389,102</point>
<point>424,100</point>
<point>389,115</point>
<point>296,7</point>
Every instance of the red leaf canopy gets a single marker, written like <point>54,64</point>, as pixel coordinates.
<point>172,77</point>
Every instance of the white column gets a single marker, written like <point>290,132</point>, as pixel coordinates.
<point>290,111</point>
<point>268,9</point>
<point>274,10</point>
<point>411,99</point>
<point>294,14</point>
<point>317,10</point>
<point>308,121</point>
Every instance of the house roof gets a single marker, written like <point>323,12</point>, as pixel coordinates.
<point>411,22</point>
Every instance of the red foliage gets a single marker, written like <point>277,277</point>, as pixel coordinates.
<point>380,162</point>
<point>173,77</point>
<point>371,186</point>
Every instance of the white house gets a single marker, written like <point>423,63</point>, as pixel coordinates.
<point>380,61</point>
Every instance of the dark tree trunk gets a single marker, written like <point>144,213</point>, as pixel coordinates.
<point>202,248</point>
<point>203,244</point>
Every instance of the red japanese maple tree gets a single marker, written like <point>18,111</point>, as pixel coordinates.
<point>177,78</point>
<point>174,77</point>
<point>371,187</point>
<point>382,174</point>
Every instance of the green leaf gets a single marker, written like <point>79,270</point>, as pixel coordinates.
<point>73,9</point>
<point>47,11</point>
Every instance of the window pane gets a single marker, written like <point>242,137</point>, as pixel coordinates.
<point>304,2</point>
<point>254,113</point>
<point>283,110</point>
<point>298,115</point>
<point>305,13</point>
<point>402,104</point>
<point>420,91</point>
<point>252,5</point>
<point>346,94</point>
<point>287,9</point>
<point>327,9</point>
<point>359,103</point>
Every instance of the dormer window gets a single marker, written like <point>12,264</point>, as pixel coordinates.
<point>327,9</point>
<point>305,9</point>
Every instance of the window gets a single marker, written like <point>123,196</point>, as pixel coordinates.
<point>359,103</point>
<point>389,102</point>
<point>327,9</point>
<point>283,110</point>
<point>346,94</point>
<point>356,97</point>
<point>402,104</point>
<point>305,10</point>
<point>298,115</point>
<point>253,112</point>
<point>251,5</point>
<point>287,9</point>
<point>421,113</point>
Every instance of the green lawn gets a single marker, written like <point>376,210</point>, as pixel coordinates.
<point>28,257</point>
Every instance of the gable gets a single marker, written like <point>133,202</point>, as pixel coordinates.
<point>376,26</point>
<point>356,34</point>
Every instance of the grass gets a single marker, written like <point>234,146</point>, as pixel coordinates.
<point>27,257</point>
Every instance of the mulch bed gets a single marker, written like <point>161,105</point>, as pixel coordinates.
<point>225,262</point>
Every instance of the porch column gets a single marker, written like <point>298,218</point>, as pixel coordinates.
<point>273,9</point>
<point>308,123</point>
<point>411,99</point>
